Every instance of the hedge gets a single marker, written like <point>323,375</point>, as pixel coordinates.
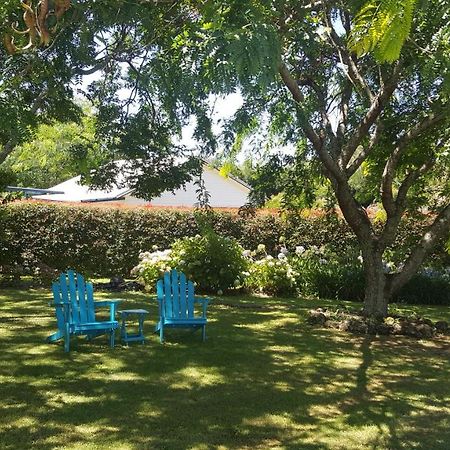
<point>107,241</point>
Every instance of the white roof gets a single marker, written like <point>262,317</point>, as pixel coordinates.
<point>76,192</point>
<point>224,192</point>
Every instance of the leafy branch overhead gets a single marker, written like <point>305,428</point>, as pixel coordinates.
<point>382,27</point>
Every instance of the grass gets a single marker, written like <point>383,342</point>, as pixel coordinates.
<point>263,380</point>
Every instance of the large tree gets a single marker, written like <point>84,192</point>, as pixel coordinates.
<point>292,64</point>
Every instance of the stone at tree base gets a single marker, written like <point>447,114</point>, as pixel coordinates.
<point>316,317</point>
<point>407,328</point>
<point>424,330</point>
<point>441,326</point>
<point>355,325</point>
<point>332,324</point>
<point>353,322</point>
<point>383,329</point>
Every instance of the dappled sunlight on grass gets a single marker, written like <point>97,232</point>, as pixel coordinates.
<point>193,378</point>
<point>263,379</point>
<point>270,325</point>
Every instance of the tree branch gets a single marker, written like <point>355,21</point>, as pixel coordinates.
<point>353,72</point>
<point>393,220</point>
<point>355,215</point>
<point>365,152</point>
<point>311,134</point>
<point>436,231</point>
<point>378,103</point>
<point>343,107</point>
<point>321,96</point>
<point>387,197</point>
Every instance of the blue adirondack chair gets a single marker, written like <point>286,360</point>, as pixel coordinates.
<point>75,310</point>
<point>176,301</point>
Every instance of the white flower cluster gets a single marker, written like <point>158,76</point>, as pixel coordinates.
<point>299,250</point>
<point>158,258</point>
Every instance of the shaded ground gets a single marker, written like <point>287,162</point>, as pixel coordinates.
<point>264,379</point>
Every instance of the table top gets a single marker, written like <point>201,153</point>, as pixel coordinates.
<point>133,311</point>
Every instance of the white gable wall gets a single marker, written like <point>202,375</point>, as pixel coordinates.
<point>224,192</point>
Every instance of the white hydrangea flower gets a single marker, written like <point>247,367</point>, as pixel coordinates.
<point>247,253</point>
<point>269,257</point>
<point>299,250</point>
<point>284,250</point>
<point>281,256</point>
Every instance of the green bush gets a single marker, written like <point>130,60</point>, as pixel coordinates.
<point>214,262</point>
<point>269,275</point>
<point>105,242</point>
<point>427,288</point>
<point>325,273</point>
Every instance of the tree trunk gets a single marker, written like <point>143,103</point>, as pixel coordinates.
<point>375,298</point>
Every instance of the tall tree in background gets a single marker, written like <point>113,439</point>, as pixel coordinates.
<point>56,153</point>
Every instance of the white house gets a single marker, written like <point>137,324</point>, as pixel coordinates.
<point>225,192</point>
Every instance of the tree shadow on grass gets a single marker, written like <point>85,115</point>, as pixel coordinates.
<point>262,380</point>
<point>391,382</point>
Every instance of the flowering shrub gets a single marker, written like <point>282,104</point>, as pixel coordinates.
<point>269,275</point>
<point>325,273</point>
<point>218,263</point>
<point>151,267</point>
<point>214,262</point>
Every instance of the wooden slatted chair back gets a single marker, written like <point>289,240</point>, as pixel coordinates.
<point>78,297</point>
<point>176,295</point>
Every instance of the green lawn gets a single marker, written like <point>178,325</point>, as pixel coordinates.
<point>264,379</point>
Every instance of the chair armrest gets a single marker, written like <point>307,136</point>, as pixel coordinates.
<point>204,301</point>
<point>104,303</point>
<point>112,306</point>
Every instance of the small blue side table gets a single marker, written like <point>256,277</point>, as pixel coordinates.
<point>139,337</point>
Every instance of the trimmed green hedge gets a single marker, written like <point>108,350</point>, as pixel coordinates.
<point>107,241</point>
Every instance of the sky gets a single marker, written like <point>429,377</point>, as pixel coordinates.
<point>223,108</point>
